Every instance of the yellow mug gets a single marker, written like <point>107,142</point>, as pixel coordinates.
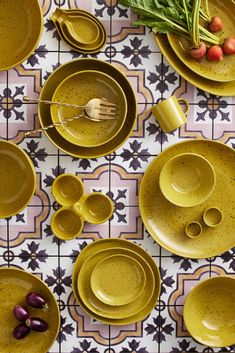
<point>169,113</point>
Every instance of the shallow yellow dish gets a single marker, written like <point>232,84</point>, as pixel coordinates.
<point>109,244</point>
<point>166,222</point>
<point>111,311</point>
<point>21,25</point>
<point>187,179</point>
<point>223,70</point>
<point>17,179</point>
<point>209,312</point>
<point>14,286</point>
<point>80,88</point>
<point>48,90</point>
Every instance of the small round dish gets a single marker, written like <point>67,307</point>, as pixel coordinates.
<point>118,280</point>
<point>79,88</point>
<point>213,216</point>
<point>193,229</point>
<point>67,189</point>
<point>97,208</point>
<point>17,179</point>
<point>187,180</point>
<point>209,312</point>
<point>66,224</point>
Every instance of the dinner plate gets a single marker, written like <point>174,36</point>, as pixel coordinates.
<point>103,244</point>
<point>109,311</point>
<point>166,222</point>
<point>17,179</point>
<point>223,70</point>
<point>213,87</point>
<point>79,89</point>
<point>15,284</point>
<point>48,90</point>
<point>21,25</point>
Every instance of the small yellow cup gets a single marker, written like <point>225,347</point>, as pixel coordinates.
<point>97,208</point>
<point>213,217</point>
<point>67,189</point>
<point>193,229</point>
<point>169,113</point>
<point>66,224</point>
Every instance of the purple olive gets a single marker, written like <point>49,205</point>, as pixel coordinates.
<point>36,300</point>
<point>21,313</point>
<point>21,331</point>
<point>36,324</point>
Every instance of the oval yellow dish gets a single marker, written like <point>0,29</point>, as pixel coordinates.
<point>187,179</point>
<point>209,312</point>
<point>80,88</point>
<point>15,284</point>
<point>223,70</point>
<point>21,25</point>
<point>17,179</point>
<point>110,244</point>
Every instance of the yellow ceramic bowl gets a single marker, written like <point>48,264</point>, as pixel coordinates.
<point>213,217</point>
<point>97,208</point>
<point>66,224</point>
<point>79,88</point>
<point>67,189</point>
<point>209,312</point>
<point>21,25</point>
<point>15,284</point>
<point>187,180</point>
<point>17,179</point>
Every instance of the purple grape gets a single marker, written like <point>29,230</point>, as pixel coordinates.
<point>21,331</point>
<point>36,324</point>
<point>36,300</point>
<point>21,313</point>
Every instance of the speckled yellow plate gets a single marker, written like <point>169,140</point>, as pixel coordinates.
<point>15,284</point>
<point>109,311</point>
<point>213,87</point>
<point>166,222</point>
<point>21,25</point>
<point>103,244</point>
<point>47,92</point>
<point>223,70</point>
<point>17,179</point>
<point>209,312</point>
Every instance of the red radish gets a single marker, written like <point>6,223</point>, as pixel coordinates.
<point>229,45</point>
<point>198,53</point>
<point>215,53</point>
<point>216,24</point>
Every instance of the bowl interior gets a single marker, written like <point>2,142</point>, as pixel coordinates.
<point>97,208</point>
<point>67,189</point>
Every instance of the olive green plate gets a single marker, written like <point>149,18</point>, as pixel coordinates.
<point>166,222</point>
<point>14,286</point>
<point>17,179</point>
<point>48,90</point>
<point>209,312</point>
<point>213,87</point>
<point>110,311</point>
<point>110,243</point>
<point>21,25</point>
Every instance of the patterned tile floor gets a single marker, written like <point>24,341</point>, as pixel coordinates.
<point>26,240</point>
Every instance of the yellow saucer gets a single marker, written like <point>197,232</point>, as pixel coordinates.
<point>15,284</point>
<point>17,179</point>
<point>209,312</point>
<point>80,88</point>
<point>110,311</point>
<point>111,243</point>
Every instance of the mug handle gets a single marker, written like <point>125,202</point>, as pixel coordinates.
<point>183,100</point>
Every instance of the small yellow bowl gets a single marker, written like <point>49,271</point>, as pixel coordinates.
<point>187,180</point>
<point>66,224</point>
<point>209,312</point>
<point>193,229</point>
<point>97,208</point>
<point>213,217</point>
<point>67,189</point>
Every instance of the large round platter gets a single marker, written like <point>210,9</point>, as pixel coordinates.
<point>48,90</point>
<point>103,244</point>
<point>165,221</point>
<point>213,87</point>
<point>14,286</point>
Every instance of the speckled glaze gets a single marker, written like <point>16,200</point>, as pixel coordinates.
<point>118,280</point>
<point>111,311</point>
<point>79,88</point>
<point>21,25</point>
<point>209,312</point>
<point>166,222</point>
<point>14,286</point>
<point>48,90</point>
<point>17,179</point>
<point>110,244</point>
<point>223,70</point>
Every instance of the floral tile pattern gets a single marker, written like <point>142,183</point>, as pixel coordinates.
<point>27,241</point>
